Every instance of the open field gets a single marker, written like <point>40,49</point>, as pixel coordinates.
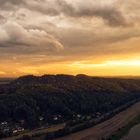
<point>106,128</point>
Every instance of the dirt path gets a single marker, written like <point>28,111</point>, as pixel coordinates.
<point>106,128</point>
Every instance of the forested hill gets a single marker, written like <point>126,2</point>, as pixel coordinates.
<point>79,82</point>
<point>64,96</point>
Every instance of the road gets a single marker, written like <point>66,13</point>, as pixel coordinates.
<point>106,128</point>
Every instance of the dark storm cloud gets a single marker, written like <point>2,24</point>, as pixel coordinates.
<point>111,15</point>
<point>10,4</point>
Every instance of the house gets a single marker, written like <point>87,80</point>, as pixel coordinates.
<point>4,123</point>
<point>17,129</point>
<point>55,118</point>
<point>41,118</point>
<point>78,116</point>
<point>14,131</point>
<point>20,129</point>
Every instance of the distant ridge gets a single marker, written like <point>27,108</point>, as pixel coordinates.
<point>81,81</point>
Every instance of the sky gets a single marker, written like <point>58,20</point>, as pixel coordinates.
<point>94,37</point>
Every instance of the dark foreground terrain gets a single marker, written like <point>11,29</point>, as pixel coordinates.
<point>5,80</point>
<point>32,102</point>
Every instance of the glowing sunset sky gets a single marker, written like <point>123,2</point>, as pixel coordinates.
<point>94,37</point>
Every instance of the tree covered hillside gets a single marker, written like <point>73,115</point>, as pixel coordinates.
<point>58,98</point>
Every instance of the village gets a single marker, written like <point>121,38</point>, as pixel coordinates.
<point>8,129</point>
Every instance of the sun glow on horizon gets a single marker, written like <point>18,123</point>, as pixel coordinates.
<point>130,62</point>
<point>106,68</point>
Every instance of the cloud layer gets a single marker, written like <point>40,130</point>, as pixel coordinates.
<point>48,31</point>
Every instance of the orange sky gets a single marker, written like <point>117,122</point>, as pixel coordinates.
<point>99,38</point>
